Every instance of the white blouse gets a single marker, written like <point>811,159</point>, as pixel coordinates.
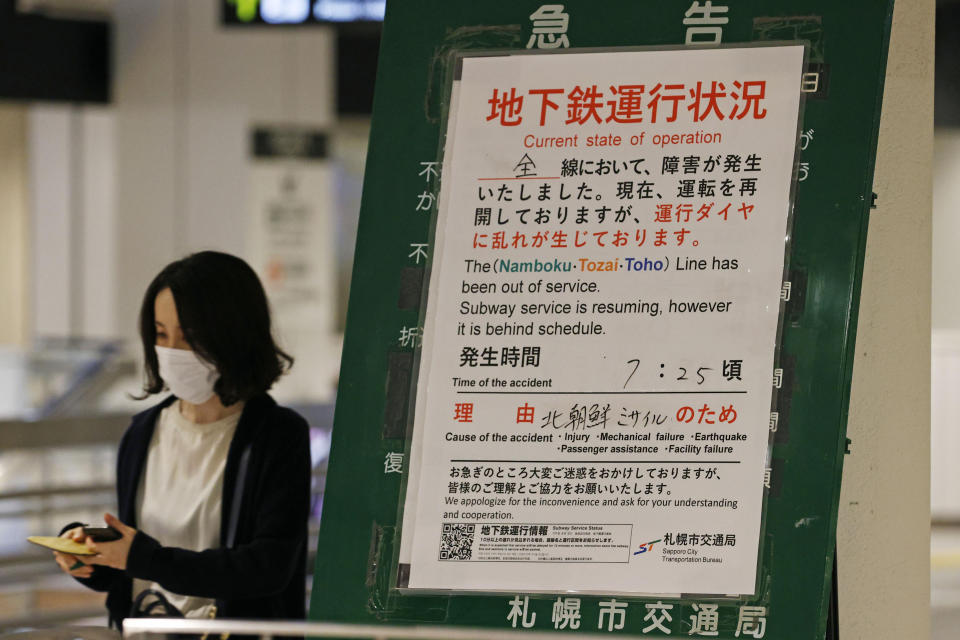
<point>180,493</point>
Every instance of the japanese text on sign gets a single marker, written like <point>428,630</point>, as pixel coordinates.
<point>597,346</point>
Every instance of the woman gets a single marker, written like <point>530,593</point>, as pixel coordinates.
<point>213,483</point>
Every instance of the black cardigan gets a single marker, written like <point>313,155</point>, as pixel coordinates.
<point>263,575</point>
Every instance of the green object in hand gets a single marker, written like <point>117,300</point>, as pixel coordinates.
<point>76,565</point>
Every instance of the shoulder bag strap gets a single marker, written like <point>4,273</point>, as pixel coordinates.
<point>238,496</point>
<point>234,517</point>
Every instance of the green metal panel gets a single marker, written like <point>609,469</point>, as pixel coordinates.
<point>356,553</point>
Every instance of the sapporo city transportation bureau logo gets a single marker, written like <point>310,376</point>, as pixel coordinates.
<point>645,547</point>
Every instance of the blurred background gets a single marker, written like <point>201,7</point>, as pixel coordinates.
<point>133,132</point>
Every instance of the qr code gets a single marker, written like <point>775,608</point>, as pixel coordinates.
<point>456,541</point>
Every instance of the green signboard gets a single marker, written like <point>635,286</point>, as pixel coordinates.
<point>600,336</point>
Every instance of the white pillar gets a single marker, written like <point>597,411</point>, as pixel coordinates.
<point>14,227</point>
<point>53,221</point>
<point>884,525</point>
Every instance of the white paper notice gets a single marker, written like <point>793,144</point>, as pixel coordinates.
<point>593,400</point>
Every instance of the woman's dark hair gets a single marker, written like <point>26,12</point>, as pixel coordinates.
<point>225,318</point>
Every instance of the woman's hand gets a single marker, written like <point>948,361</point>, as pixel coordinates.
<point>112,554</point>
<point>71,564</point>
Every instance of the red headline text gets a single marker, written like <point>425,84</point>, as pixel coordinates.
<point>630,103</point>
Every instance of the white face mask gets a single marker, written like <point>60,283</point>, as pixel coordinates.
<point>188,376</point>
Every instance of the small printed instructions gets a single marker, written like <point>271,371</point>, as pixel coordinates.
<point>593,404</point>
